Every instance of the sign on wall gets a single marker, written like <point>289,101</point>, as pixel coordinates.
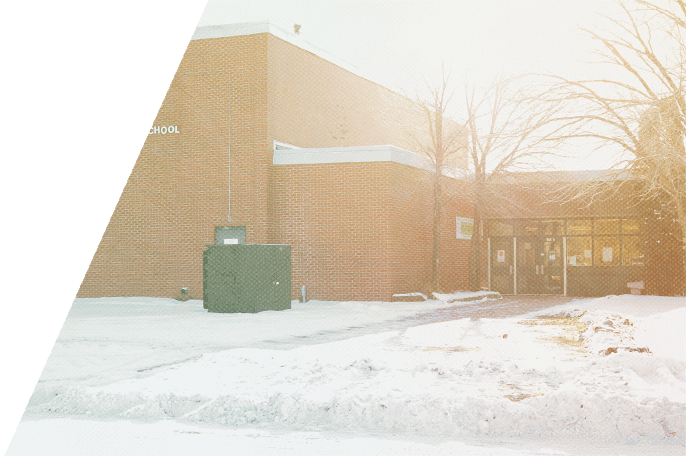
<point>164,130</point>
<point>501,256</point>
<point>607,254</point>
<point>465,227</point>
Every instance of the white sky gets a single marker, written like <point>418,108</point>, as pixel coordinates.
<point>404,41</point>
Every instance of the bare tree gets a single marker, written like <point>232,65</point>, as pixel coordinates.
<point>510,132</point>
<point>507,130</point>
<point>442,142</point>
<point>640,114</point>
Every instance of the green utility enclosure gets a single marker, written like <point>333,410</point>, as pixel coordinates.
<point>246,278</point>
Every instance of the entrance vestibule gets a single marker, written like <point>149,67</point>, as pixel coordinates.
<point>539,265</point>
<point>532,265</point>
<point>575,256</point>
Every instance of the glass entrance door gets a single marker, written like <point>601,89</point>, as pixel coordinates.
<point>539,265</point>
<point>502,265</point>
<point>551,266</point>
<point>528,258</point>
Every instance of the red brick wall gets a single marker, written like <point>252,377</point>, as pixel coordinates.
<point>411,204</point>
<point>335,218</point>
<point>314,103</point>
<point>455,252</point>
<point>364,230</point>
<point>179,187</point>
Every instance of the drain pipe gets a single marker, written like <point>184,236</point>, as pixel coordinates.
<point>303,290</point>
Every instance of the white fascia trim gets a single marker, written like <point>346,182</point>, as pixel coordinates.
<point>226,30</point>
<point>283,145</point>
<point>255,28</point>
<point>311,156</point>
<point>363,154</point>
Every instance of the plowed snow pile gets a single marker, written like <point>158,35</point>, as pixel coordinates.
<point>603,370</point>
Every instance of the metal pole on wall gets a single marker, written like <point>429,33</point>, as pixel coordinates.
<point>514,259</point>
<point>489,265</point>
<point>229,145</point>
<point>564,258</point>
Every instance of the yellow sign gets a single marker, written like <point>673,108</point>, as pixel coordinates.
<point>465,227</point>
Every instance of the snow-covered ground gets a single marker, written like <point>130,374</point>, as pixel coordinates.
<point>157,376</point>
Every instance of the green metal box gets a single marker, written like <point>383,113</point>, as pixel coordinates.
<point>248,278</point>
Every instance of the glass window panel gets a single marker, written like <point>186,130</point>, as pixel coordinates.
<point>552,253</point>
<point>632,251</point>
<point>501,228</point>
<point>526,254</point>
<point>552,227</point>
<point>631,226</point>
<point>606,226</point>
<point>606,251</point>
<point>579,227</point>
<point>526,227</point>
<point>579,251</point>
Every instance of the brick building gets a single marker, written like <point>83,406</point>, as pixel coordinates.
<point>264,135</point>
<point>265,139</point>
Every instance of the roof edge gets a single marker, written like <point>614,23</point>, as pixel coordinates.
<point>359,154</point>
<point>255,28</point>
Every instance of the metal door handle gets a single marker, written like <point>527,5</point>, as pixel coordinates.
<point>537,268</point>
<point>542,270</point>
<point>510,270</point>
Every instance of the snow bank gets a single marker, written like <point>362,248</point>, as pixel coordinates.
<point>598,370</point>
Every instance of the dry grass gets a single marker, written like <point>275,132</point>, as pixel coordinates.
<point>520,396</point>
<point>576,344</point>
<point>572,330</point>
<point>519,393</point>
<point>571,323</point>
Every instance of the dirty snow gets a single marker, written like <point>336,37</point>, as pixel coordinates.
<point>465,295</point>
<point>601,373</point>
